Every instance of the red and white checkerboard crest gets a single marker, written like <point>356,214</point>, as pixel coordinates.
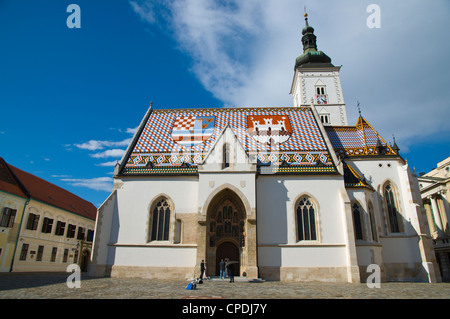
<point>191,130</point>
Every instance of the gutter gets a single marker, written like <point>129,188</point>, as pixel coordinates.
<point>18,235</point>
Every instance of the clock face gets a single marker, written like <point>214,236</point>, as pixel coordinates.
<point>321,99</point>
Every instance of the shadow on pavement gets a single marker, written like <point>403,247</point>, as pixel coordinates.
<point>9,281</point>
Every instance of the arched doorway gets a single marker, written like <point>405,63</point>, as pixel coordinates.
<point>225,233</point>
<point>228,250</point>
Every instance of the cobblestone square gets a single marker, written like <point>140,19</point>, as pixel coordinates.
<point>53,286</point>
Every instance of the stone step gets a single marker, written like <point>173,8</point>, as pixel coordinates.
<point>236,279</point>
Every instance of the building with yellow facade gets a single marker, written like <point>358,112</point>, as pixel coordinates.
<point>42,226</point>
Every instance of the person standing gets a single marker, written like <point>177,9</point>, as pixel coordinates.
<point>202,269</point>
<point>222,269</point>
<point>230,269</point>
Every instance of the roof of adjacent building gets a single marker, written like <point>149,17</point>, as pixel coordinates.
<point>176,141</point>
<point>8,183</point>
<point>16,181</point>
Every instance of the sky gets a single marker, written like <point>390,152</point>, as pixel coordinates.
<point>72,98</point>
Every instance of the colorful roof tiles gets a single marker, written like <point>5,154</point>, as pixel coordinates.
<point>171,138</point>
<point>359,140</point>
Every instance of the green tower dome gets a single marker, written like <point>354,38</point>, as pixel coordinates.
<point>311,57</point>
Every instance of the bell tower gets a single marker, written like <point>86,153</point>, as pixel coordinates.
<point>317,80</point>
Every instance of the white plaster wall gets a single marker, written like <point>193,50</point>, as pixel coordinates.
<point>400,250</point>
<point>135,197</point>
<point>401,247</point>
<point>155,256</point>
<point>276,198</point>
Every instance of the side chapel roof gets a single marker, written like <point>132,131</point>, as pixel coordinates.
<point>359,140</point>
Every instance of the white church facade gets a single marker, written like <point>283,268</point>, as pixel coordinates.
<point>287,193</point>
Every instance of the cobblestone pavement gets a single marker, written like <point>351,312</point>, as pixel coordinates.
<point>53,286</point>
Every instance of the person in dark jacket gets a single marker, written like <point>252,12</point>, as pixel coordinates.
<point>230,269</point>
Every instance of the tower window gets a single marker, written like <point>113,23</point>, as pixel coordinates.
<point>325,118</point>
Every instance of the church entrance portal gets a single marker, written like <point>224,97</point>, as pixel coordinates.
<point>225,233</point>
<point>228,250</point>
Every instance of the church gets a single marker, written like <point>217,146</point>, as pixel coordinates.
<point>289,193</point>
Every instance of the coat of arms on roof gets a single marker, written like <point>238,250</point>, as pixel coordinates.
<point>188,131</point>
<point>269,129</point>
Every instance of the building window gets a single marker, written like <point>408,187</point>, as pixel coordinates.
<point>71,231</point>
<point>90,235</point>
<point>54,252</point>
<point>393,213</point>
<point>306,220</point>
<point>226,156</point>
<point>357,221</point>
<point>60,227</point>
<point>325,118</point>
<point>24,252</point>
<point>160,221</point>
<point>47,225</point>
<point>40,252</point>
<point>8,217</point>
<point>66,255</point>
<point>373,224</point>
<point>33,221</point>
<point>81,233</point>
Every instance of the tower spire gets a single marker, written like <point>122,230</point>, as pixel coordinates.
<point>311,56</point>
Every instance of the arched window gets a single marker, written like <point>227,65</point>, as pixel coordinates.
<point>160,221</point>
<point>391,204</point>
<point>373,224</point>
<point>226,156</point>
<point>306,219</point>
<point>357,221</point>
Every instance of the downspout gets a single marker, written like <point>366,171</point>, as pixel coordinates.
<point>18,234</point>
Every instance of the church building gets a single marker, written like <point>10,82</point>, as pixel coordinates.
<point>289,193</point>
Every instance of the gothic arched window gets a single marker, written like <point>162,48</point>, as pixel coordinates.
<point>391,204</point>
<point>373,224</point>
<point>160,221</point>
<point>357,221</point>
<point>306,219</point>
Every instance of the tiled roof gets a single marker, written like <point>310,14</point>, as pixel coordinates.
<point>8,182</point>
<point>41,190</point>
<point>272,135</point>
<point>358,140</point>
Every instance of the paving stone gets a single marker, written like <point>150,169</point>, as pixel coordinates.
<point>53,286</point>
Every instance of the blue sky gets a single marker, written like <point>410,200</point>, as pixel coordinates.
<point>71,98</point>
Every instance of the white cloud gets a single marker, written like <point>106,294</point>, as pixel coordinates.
<point>61,176</point>
<point>118,153</point>
<point>94,145</point>
<point>244,53</point>
<point>108,164</point>
<point>98,184</point>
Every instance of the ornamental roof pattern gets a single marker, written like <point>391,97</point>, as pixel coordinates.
<point>359,140</point>
<point>176,141</point>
